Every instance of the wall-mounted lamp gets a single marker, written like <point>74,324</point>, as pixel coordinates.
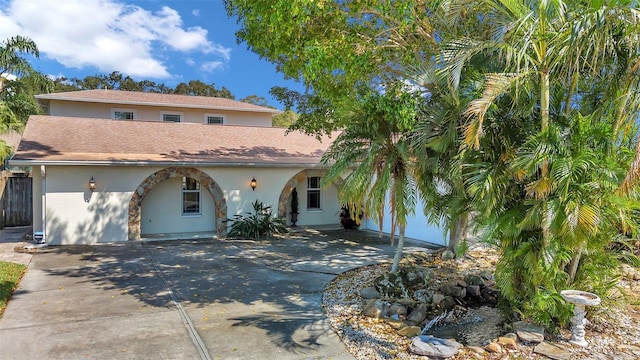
<point>253,184</point>
<point>92,184</point>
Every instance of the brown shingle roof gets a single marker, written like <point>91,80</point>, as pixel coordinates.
<point>66,140</point>
<point>155,99</point>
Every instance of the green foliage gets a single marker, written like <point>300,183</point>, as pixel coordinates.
<point>336,47</point>
<point>255,100</point>
<point>5,151</point>
<point>374,157</point>
<point>257,225</point>
<point>285,119</point>
<point>10,275</point>
<point>527,122</point>
<point>16,96</point>
<point>118,81</point>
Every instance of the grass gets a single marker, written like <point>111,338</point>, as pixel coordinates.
<point>10,275</point>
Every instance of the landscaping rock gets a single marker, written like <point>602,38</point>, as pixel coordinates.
<point>402,283</point>
<point>453,290</point>
<point>369,293</point>
<point>476,349</point>
<point>553,351</point>
<point>434,347</point>
<point>474,291</point>
<point>489,294</point>
<point>474,280</point>
<point>394,323</point>
<point>528,332</point>
<point>423,295</point>
<point>398,310</point>
<point>486,275</point>
<point>630,272</point>
<point>493,348</point>
<point>448,255</point>
<point>437,298</point>
<point>447,303</point>
<point>376,308</point>
<point>511,336</point>
<point>507,343</point>
<point>418,314</point>
<point>410,331</point>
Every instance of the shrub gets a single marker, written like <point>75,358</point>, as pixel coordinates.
<point>259,224</point>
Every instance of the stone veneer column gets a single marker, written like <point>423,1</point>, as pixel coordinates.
<point>154,179</point>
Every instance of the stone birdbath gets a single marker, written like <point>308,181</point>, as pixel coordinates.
<point>579,299</point>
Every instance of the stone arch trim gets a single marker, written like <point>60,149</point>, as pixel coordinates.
<point>285,194</point>
<point>135,204</point>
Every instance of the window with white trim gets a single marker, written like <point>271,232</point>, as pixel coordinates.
<point>124,114</point>
<point>190,196</point>
<point>171,116</point>
<point>214,119</point>
<point>313,193</point>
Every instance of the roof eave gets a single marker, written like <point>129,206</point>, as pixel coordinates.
<point>24,162</point>
<point>143,103</point>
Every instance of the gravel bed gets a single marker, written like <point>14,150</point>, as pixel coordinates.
<point>614,334</point>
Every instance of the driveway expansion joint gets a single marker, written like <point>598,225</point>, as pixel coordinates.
<point>191,329</point>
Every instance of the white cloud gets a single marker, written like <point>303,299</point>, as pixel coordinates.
<point>210,66</point>
<point>108,35</point>
<point>195,12</point>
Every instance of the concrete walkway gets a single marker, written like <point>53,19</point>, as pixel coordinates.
<point>196,299</point>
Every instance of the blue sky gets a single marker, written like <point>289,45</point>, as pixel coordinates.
<point>167,41</point>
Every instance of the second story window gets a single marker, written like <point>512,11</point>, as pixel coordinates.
<point>212,119</point>
<point>171,117</point>
<point>123,114</point>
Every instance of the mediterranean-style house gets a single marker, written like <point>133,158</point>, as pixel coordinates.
<point>112,166</point>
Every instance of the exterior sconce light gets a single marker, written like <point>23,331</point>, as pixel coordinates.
<point>92,184</point>
<point>253,184</point>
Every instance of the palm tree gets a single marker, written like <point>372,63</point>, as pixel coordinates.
<point>12,61</point>
<point>374,153</point>
<point>553,58</point>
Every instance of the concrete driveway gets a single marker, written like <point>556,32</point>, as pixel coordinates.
<point>204,299</point>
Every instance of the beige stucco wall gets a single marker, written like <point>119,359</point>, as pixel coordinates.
<point>162,211</point>
<point>75,215</point>
<point>36,186</point>
<point>153,113</point>
<point>329,207</point>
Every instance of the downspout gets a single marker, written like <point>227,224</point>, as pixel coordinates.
<point>44,203</point>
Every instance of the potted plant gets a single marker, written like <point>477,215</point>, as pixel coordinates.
<point>294,207</point>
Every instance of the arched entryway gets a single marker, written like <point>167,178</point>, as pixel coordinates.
<point>330,211</point>
<point>206,182</point>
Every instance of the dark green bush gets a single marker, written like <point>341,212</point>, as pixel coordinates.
<point>257,225</point>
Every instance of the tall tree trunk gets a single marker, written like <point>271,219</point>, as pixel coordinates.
<point>458,231</point>
<point>398,255</point>
<point>573,266</point>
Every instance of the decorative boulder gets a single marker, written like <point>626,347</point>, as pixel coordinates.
<point>528,332</point>
<point>397,309</point>
<point>369,293</point>
<point>376,308</point>
<point>474,291</point>
<point>474,280</point>
<point>423,296</point>
<point>448,255</point>
<point>434,347</point>
<point>418,314</point>
<point>402,283</point>
<point>453,290</point>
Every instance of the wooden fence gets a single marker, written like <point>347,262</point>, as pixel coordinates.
<point>16,201</point>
